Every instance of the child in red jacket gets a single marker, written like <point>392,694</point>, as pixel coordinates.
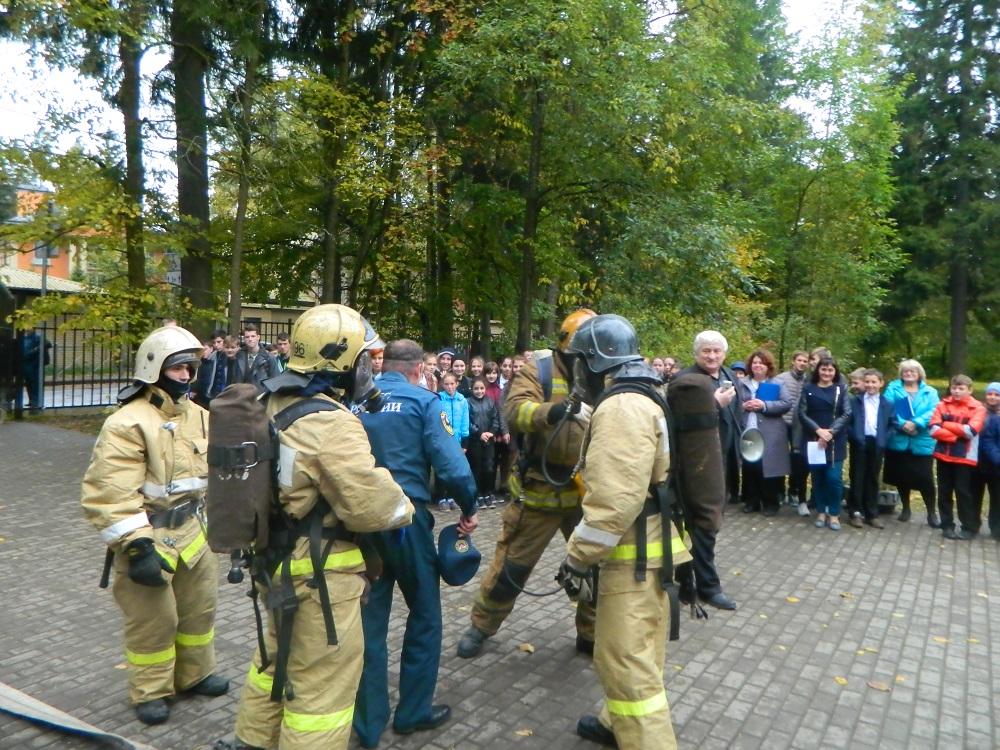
<point>955,427</point>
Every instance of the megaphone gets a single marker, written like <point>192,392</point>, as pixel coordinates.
<point>752,444</point>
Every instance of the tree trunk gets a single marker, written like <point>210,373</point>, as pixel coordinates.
<point>334,138</point>
<point>529,274</point>
<point>243,130</point>
<point>958,287</point>
<point>552,301</point>
<point>129,98</point>
<point>190,63</point>
<point>485,335</point>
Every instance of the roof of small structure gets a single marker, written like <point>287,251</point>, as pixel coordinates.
<point>29,281</point>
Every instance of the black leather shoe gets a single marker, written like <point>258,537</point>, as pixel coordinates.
<point>965,536</point>
<point>590,728</point>
<point>439,715</point>
<point>584,646</point>
<point>153,712</point>
<point>471,642</point>
<point>770,512</point>
<point>719,601</point>
<point>949,533</point>
<point>934,520</point>
<point>749,509</point>
<point>212,685</point>
<point>904,515</point>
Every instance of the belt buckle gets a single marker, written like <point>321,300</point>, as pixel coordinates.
<point>178,512</point>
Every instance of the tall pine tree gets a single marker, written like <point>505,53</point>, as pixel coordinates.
<point>948,167</point>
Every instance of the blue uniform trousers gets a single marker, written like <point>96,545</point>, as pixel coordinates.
<point>413,565</point>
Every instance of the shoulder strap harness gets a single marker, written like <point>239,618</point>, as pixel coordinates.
<point>283,603</point>
<point>665,499</point>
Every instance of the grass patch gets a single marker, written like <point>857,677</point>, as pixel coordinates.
<point>89,423</point>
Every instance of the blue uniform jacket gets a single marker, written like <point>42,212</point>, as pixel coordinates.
<point>409,434</point>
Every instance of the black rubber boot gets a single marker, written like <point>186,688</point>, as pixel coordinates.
<point>471,643</point>
<point>153,712</point>
<point>212,685</point>
<point>590,728</point>
<point>584,646</point>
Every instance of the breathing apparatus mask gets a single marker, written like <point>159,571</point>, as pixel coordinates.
<point>587,384</point>
<point>360,387</point>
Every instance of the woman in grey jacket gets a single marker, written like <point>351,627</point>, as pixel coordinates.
<point>763,409</point>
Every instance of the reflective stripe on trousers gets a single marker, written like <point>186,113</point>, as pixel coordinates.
<point>303,722</point>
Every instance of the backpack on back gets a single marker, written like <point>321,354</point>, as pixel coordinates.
<point>245,517</point>
<point>242,449</point>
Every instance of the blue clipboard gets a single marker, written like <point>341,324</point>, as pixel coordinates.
<point>904,409</point>
<point>768,391</point>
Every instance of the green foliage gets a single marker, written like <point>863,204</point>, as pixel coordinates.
<point>442,165</point>
<point>947,60</point>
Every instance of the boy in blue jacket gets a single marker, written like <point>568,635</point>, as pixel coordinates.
<point>873,422</point>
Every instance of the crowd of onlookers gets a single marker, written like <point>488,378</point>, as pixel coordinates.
<point>808,421</point>
<point>799,427</point>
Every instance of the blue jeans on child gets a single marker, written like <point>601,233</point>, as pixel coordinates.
<point>828,487</point>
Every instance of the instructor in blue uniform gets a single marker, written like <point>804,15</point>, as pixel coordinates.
<point>408,436</point>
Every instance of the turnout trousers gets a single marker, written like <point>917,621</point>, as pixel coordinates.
<point>169,630</point>
<point>632,624</point>
<point>525,535</point>
<point>324,678</point>
<point>412,564</point>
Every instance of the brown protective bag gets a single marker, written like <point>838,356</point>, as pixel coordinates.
<point>241,455</point>
<point>695,412</point>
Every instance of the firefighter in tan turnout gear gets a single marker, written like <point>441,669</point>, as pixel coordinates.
<point>326,467</point>
<point>143,492</point>
<point>626,531</point>
<point>536,406</point>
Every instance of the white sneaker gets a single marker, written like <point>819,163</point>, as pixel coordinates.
<point>452,505</point>
<point>443,505</point>
<point>803,509</point>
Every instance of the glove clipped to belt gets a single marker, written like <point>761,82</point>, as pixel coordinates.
<point>579,584</point>
<point>145,564</point>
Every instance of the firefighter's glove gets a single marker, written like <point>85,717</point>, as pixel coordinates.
<point>145,564</point>
<point>582,415</point>
<point>579,584</point>
<point>558,412</point>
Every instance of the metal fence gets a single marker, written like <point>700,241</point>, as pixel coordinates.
<point>84,370</point>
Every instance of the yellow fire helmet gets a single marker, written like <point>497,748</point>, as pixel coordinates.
<point>330,337</point>
<point>572,322</point>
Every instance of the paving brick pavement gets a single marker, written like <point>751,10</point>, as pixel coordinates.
<point>901,607</point>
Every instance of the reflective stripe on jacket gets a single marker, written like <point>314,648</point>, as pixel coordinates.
<point>628,451</point>
<point>149,457</point>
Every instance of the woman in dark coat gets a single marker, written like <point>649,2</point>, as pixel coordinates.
<point>825,413</point>
<point>763,480</point>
